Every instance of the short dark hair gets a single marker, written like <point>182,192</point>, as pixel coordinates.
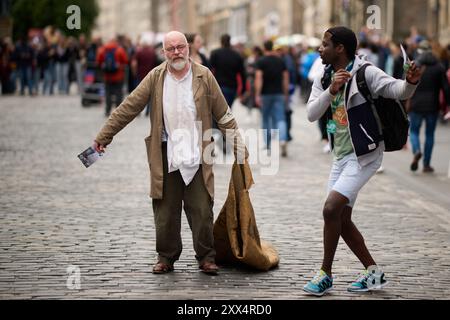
<point>190,37</point>
<point>225,40</point>
<point>346,37</point>
<point>268,45</point>
<point>258,51</point>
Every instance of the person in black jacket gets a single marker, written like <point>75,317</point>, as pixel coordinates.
<point>424,105</point>
<point>226,65</point>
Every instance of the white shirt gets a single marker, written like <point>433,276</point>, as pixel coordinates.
<point>180,114</point>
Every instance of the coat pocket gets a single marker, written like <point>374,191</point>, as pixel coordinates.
<point>366,133</point>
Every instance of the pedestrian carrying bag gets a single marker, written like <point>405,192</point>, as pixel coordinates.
<point>236,236</point>
<point>390,114</point>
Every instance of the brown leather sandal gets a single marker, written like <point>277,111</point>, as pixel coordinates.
<point>209,268</point>
<point>161,268</point>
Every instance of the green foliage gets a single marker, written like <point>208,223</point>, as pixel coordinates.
<point>41,13</point>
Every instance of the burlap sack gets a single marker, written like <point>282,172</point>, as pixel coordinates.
<point>236,235</point>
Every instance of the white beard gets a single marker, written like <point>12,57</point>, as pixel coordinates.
<point>179,65</point>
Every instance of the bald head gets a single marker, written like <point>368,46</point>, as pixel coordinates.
<point>174,37</point>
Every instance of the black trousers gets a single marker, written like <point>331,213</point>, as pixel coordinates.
<point>113,91</point>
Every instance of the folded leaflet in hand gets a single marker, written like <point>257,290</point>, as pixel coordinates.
<point>89,156</point>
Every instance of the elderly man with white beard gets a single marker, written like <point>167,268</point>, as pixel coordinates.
<point>185,97</point>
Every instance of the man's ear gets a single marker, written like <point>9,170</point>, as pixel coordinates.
<point>340,49</point>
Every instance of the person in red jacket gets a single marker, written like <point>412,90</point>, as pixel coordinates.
<point>112,59</point>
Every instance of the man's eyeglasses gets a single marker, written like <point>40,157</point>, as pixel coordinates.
<point>180,48</point>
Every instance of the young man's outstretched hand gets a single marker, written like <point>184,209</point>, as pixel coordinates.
<point>414,73</point>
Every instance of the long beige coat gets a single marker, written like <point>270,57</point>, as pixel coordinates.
<point>209,103</point>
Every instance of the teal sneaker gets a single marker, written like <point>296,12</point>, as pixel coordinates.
<point>371,279</point>
<point>320,284</point>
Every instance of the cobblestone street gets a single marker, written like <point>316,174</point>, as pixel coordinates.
<point>55,214</point>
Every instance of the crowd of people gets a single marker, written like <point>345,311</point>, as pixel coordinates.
<point>263,77</point>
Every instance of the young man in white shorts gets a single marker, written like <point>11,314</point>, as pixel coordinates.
<point>357,147</point>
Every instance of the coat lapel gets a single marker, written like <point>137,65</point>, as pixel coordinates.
<point>196,83</point>
<point>159,98</point>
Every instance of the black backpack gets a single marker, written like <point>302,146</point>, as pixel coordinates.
<point>110,65</point>
<point>390,114</point>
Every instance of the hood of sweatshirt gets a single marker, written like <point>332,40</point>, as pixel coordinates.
<point>427,59</point>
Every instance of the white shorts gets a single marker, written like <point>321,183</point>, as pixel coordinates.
<point>347,177</point>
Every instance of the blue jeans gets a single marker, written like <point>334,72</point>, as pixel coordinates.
<point>229,94</point>
<point>26,79</point>
<point>62,77</point>
<point>49,78</point>
<point>274,116</point>
<point>36,79</point>
<point>430,127</point>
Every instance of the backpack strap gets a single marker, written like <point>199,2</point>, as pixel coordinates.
<point>363,88</point>
<point>326,81</point>
<point>326,78</point>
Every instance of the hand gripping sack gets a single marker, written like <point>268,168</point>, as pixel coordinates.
<point>236,236</point>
